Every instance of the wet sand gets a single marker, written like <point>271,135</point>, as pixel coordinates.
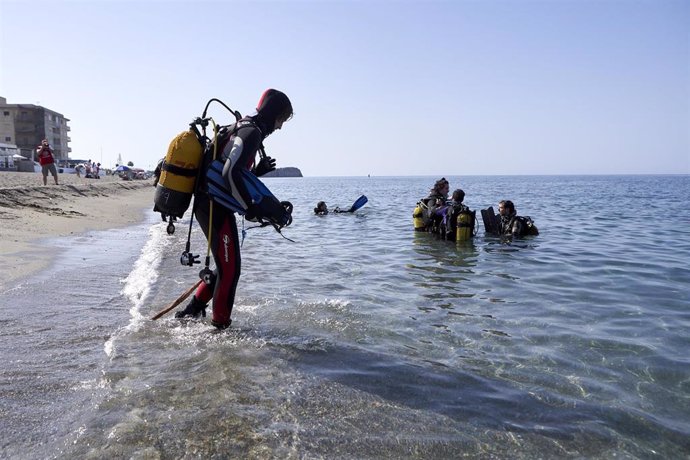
<point>31,211</point>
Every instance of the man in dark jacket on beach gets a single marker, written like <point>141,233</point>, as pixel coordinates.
<point>238,152</point>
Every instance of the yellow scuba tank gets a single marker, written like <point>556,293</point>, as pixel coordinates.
<point>464,226</point>
<point>178,174</point>
<point>418,218</point>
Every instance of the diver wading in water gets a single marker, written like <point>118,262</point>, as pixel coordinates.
<point>227,184</point>
<point>450,220</point>
<point>513,225</point>
<point>507,223</point>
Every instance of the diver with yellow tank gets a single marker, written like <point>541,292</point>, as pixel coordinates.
<point>222,175</point>
<point>450,220</point>
<point>460,220</point>
<point>427,216</point>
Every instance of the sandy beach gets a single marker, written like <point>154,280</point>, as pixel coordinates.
<point>31,211</point>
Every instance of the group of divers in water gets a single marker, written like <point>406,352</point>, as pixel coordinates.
<point>220,172</point>
<point>452,220</point>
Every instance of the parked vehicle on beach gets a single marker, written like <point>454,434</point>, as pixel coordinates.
<point>128,173</point>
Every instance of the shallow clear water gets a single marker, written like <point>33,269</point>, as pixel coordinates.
<point>364,339</point>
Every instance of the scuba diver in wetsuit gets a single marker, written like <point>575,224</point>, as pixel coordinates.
<point>238,151</point>
<point>452,211</point>
<point>513,225</point>
<point>321,208</point>
<point>436,204</point>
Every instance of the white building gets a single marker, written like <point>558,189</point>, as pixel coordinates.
<point>9,153</point>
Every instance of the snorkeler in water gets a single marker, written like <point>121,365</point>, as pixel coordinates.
<point>321,208</point>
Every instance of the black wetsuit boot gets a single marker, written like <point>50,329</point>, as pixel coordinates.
<point>193,309</point>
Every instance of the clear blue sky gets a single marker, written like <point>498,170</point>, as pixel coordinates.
<point>378,87</point>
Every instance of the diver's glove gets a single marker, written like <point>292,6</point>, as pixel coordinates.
<point>266,165</point>
<point>271,211</point>
<point>284,218</point>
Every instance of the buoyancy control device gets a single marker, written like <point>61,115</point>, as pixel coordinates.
<point>264,206</point>
<point>528,227</point>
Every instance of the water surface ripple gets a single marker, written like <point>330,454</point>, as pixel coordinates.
<point>364,339</point>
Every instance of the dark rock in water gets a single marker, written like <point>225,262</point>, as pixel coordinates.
<point>285,172</point>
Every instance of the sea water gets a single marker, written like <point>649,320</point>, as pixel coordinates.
<point>364,339</point>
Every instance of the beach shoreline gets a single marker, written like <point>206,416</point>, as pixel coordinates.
<point>31,212</point>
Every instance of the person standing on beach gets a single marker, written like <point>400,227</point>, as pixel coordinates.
<point>238,152</point>
<point>45,158</point>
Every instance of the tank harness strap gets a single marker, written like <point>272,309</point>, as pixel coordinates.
<point>177,170</point>
<point>218,176</point>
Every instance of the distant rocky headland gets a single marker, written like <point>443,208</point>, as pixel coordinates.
<point>285,172</point>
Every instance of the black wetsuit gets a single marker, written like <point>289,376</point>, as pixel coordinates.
<point>436,203</point>
<point>237,152</point>
<point>237,147</point>
<point>452,212</point>
<point>518,226</point>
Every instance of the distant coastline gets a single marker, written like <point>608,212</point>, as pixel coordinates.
<point>285,172</point>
